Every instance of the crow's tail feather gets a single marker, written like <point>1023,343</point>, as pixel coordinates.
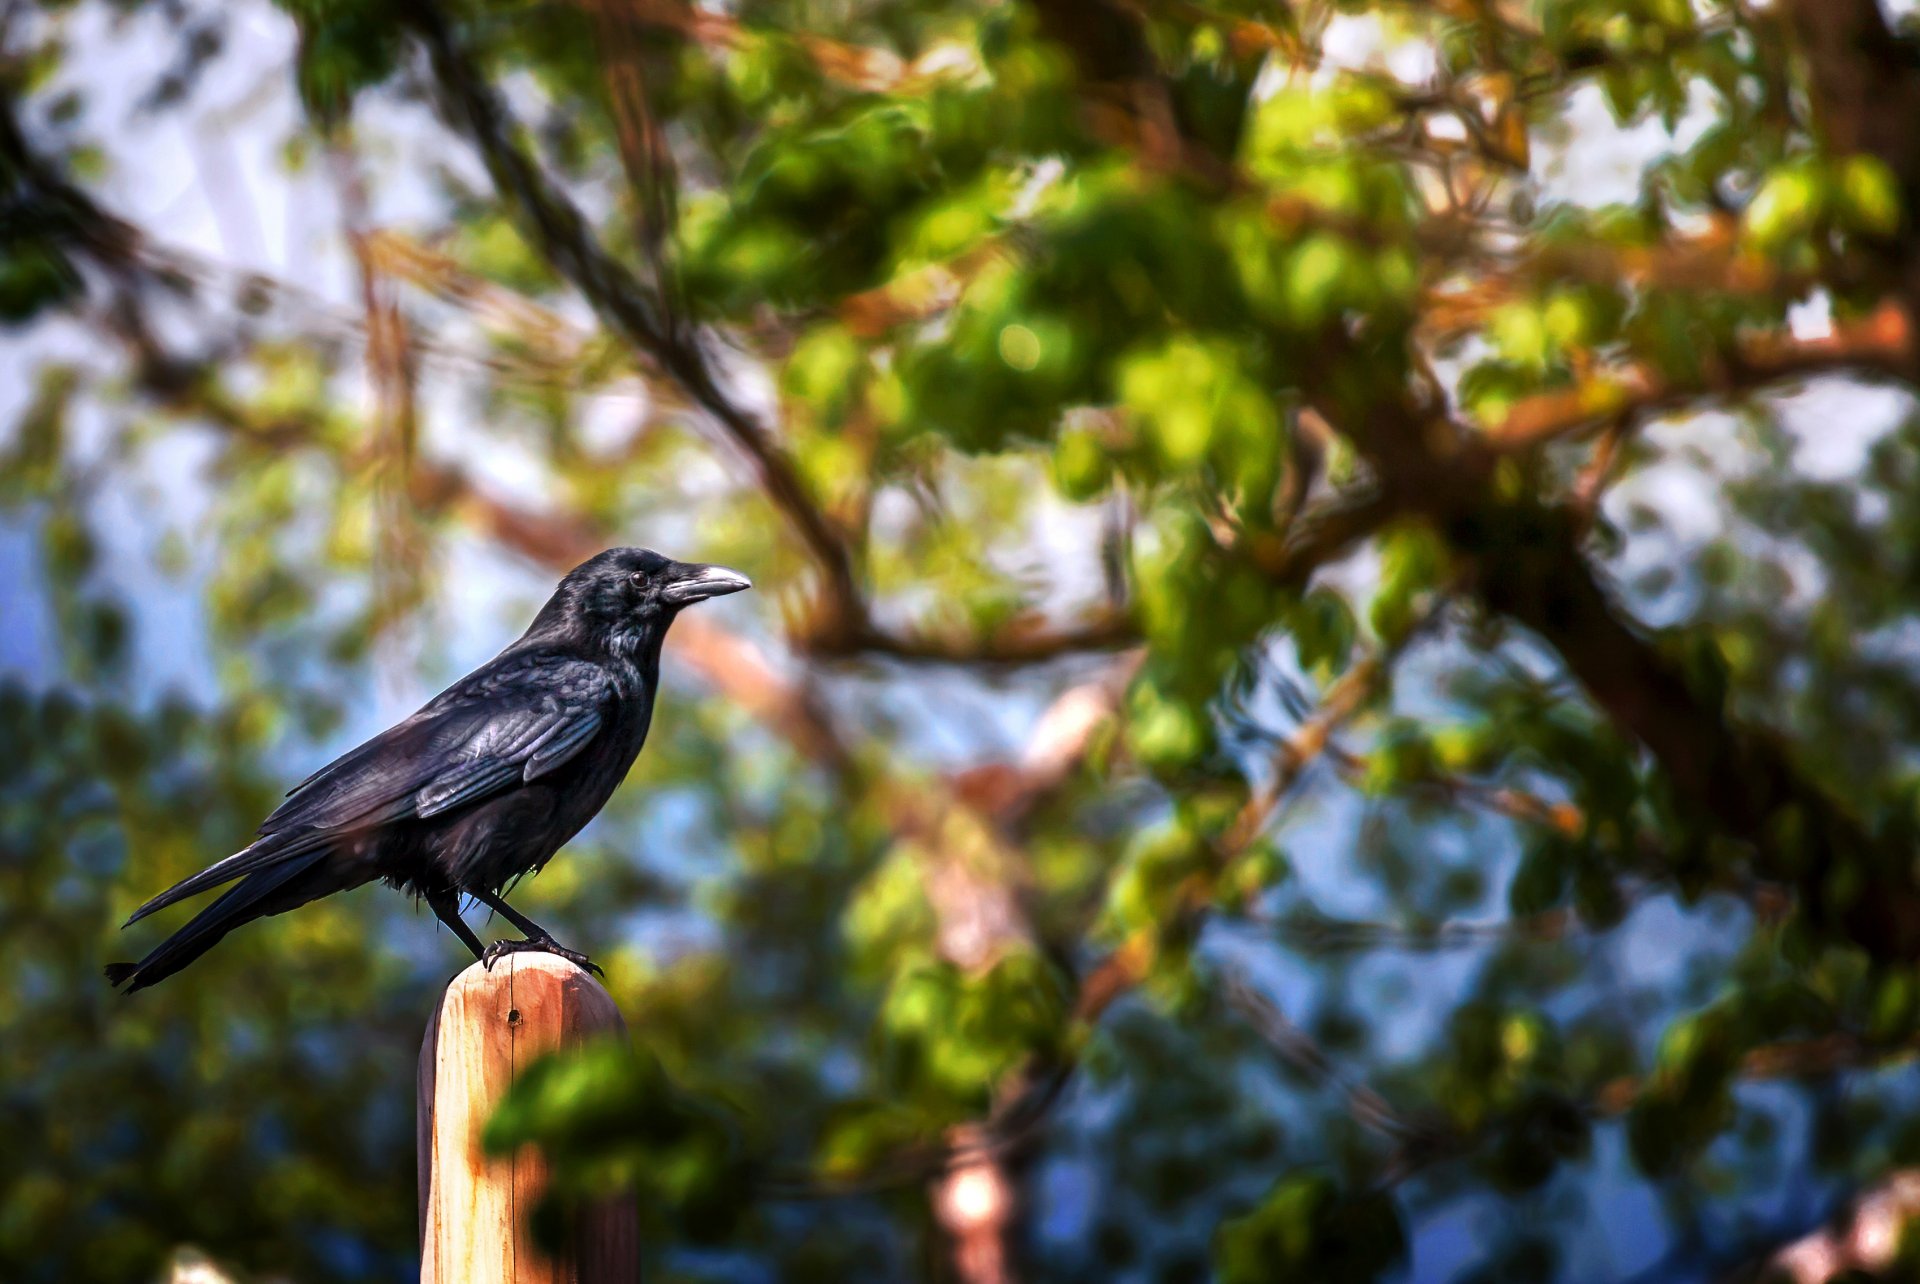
<point>265,853</point>
<point>248,900</point>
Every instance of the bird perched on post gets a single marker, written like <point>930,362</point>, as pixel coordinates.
<point>479,787</point>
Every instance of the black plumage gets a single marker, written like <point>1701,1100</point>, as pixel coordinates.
<point>482,785</point>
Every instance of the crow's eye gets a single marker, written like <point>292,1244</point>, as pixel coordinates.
<point>639,578</point>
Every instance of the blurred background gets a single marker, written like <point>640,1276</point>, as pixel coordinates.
<point>1333,691</point>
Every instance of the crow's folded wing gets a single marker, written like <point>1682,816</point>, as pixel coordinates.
<point>501,726</point>
<point>512,721</point>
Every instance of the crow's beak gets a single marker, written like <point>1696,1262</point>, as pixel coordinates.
<point>694,583</point>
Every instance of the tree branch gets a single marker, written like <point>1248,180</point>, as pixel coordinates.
<point>1880,343</point>
<point>844,624</point>
<point>1128,965</point>
<point>555,226</point>
<point>1816,1057</point>
<point>1026,639</point>
<point>1531,569</point>
<point>1865,80</point>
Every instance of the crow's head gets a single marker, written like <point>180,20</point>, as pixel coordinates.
<point>624,598</point>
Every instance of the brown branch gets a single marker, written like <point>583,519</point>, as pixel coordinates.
<point>1296,752</point>
<point>1880,343</point>
<point>556,228</point>
<point>1526,562</point>
<point>392,371</point>
<point>1310,932</point>
<point>1128,965</point>
<point>1716,259</point>
<point>1299,1050</point>
<point>40,199</point>
<point>1531,568</point>
<point>1056,747</point>
<point>858,67</point>
<point>841,624</point>
<point>1320,535</point>
<point>556,340</point>
<point>1026,639</point>
<point>1865,80</point>
<point>1817,1057</point>
<point>554,346</point>
<point>644,153</point>
<point>134,262</point>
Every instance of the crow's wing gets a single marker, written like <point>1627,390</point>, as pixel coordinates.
<point>512,721</point>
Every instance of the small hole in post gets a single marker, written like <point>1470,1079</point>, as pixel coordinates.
<point>513,1016</point>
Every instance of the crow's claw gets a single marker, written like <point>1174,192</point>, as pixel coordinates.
<point>542,944</point>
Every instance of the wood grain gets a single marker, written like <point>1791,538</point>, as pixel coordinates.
<point>488,1028</point>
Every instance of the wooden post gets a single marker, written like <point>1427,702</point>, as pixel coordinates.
<point>473,1207</point>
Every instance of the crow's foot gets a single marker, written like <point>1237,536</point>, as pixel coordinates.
<point>542,944</point>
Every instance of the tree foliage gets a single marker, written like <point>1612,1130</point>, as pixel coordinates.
<point>1333,692</point>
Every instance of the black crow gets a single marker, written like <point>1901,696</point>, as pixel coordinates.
<point>479,787</point>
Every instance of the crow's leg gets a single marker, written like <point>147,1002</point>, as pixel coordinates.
<point>498,904</point>
<point>446,908</point>
<point>538,937</point>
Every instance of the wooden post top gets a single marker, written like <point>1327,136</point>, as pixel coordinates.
<point>488,1027</point>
